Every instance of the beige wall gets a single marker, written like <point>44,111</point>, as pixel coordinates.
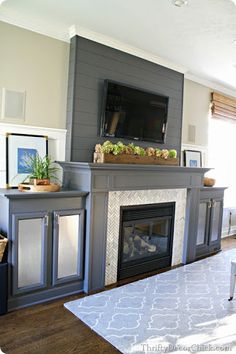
<point>196,110</point>
<point>38,65</point>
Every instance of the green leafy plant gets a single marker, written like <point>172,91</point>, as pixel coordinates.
<point>41,167</point>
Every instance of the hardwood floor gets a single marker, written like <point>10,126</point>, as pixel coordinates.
<point>51,329</point>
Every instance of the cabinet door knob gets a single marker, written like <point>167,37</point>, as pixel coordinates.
<point>46,220</point>
<point>209,205</point>
<point>57,219</point>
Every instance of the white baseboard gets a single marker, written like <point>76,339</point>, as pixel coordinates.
<point>225,232</point>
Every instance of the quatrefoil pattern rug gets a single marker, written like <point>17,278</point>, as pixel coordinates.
<point>175,311</point>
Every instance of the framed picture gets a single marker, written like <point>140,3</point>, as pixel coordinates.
<point>19,147</point>
<point>192,158</point>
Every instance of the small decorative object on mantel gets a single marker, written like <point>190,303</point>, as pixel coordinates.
<point>131,154</point>
<point>42,171</point>
<point>209,182</point>
<point>192,158</point>
<point>3,244</point>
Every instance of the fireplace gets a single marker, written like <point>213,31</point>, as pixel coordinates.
<point>145,238</point>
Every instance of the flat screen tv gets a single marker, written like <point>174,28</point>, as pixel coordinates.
<point>132,113</point>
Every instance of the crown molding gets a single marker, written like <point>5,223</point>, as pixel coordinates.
<point>65,36</point>
<point>49,31</point>
<point>210,84</point>
<point>124,47</point>
<point>113,43</point>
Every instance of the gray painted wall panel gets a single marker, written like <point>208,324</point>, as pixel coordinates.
<point>163,83</point>
<point>91,63</point>
<point>124,74</point>
<point>119,55</point>
<point>70,95</point>
<point>82,154</point>
<point>86,118</point>
<point>80,142</point>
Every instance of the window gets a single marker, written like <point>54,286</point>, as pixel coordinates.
<point>222,151</point>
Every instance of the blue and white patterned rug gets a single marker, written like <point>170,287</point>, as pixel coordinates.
<point>183,310</point>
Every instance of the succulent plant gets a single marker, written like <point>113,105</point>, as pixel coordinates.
<point>131,146</point>
<point>172,154</point>
<point>158,152</point>
<point>139,151</point>
<point>150,151</point>
<point>107,147</point>
<point>164,153</point>
<point>128,150</point>
<point>119,148</point>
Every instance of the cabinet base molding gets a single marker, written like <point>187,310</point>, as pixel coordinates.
<point>44,296</point>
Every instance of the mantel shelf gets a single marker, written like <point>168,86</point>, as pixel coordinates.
<point>131,167</point>
<point>95,177</point>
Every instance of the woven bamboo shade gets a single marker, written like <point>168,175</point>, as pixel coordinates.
<point>223,107</point>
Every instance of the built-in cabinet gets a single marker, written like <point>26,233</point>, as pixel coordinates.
<point>48,254</point>
<point>68,246</point>
<point>30,243</point>
<point>47,249</point>
<point>209,221</point>
<point>46,245</point>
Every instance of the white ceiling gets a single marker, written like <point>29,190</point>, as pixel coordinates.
<point>197,39</point>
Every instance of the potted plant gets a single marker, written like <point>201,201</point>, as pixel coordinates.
<point>42,169</point>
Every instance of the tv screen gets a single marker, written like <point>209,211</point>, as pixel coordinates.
<point>133,114</point>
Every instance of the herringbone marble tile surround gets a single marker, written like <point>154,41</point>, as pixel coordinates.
<point>127,198</point>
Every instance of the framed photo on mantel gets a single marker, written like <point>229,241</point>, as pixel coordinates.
<point>19,147</point>
<point>192,158</point>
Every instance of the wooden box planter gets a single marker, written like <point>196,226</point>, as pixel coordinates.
<point>99,157</point>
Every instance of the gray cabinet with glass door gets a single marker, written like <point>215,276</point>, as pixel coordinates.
<point>46,245</point>
<point>209,221</point>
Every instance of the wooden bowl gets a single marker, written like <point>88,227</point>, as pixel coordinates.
<point>26,187</point>
<point>209,182</point>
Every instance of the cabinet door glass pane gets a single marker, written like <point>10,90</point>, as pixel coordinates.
<point>215,221</point>
<point>68,245</point>
<point>202,224</point>
<point>30,252</point>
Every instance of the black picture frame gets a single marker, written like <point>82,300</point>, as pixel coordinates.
<point>192,158</point>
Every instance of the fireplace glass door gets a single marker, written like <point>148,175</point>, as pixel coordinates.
<point>149,238</point>
<point>145,242</point>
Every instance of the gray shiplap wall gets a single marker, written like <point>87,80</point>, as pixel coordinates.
<point>90,64</point>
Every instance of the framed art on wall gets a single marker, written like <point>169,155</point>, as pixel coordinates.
<point>192,158</point>
<point>19,147</point>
